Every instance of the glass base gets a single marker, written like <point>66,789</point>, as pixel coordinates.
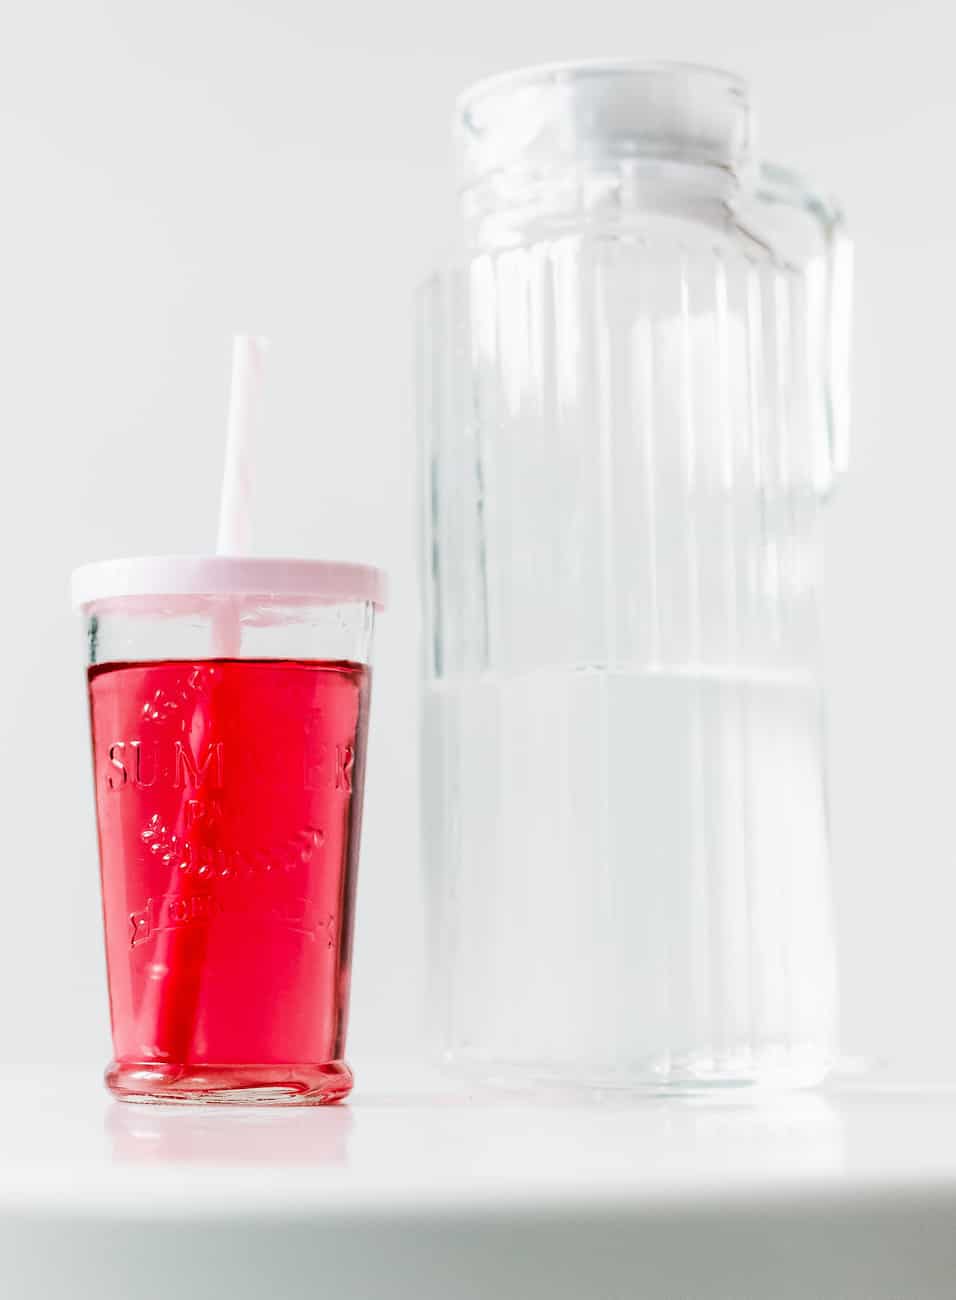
<point>229,1085</point>
<point>768,1071</point>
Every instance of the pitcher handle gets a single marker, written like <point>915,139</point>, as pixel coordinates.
<point>781,186</point>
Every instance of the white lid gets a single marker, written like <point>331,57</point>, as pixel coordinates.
<point>226,575</point>
<point>617,109</point>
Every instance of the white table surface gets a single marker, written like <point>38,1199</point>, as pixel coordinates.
<point>417,1189</point>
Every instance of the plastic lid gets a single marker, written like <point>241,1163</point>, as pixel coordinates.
<point>617,110</point>
<point>227,575</point>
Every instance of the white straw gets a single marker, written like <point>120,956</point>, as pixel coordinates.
<point>235,501</point>
<point>245,402</point>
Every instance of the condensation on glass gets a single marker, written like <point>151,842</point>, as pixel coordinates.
<point>633,408</point>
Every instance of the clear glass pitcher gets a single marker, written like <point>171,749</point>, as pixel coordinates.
<point>633,407</point>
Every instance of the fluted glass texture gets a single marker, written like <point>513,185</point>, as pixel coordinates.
<point>629,428</point>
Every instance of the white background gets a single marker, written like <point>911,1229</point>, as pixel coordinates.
<point>172,172</point>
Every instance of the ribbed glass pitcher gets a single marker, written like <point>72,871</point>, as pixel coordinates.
<point>633,407</point>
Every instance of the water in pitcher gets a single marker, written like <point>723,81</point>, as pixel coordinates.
<point>629,870</point>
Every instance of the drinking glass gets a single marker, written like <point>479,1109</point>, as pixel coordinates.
<point>229,708</point>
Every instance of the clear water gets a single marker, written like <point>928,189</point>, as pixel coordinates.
<point>629,875</point>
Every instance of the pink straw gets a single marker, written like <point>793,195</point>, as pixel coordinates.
<point>235,499</point>
<point>168,1013</point>
<point>245,405</point>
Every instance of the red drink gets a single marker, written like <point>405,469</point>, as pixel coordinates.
<point>229,797</point>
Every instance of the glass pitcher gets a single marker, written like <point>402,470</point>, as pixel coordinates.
<point>633,408</point>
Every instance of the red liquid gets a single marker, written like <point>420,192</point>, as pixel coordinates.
<point>229,799</point>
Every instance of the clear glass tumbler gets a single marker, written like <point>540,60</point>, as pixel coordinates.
<point>229,708</point>
<point>633,407</point>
